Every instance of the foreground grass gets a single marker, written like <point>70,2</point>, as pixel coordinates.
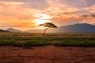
<point>38,40</point>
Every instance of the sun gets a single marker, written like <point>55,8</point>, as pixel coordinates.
<point>42,18</point>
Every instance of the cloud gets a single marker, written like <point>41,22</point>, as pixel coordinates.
<point>69,12</point>
<point>56,8</point>
<point>14,14</point>
<point>73,3</point>
<point>77,3</point>
<point>22,13</point>
<point>36,4</point>
<point>72,18</point>
<point>91,9</point>
<point>90,2</point>
<point>88,15</point>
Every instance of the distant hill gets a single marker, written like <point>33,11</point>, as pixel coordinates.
<point>13,30</point>
<point>82,27</point>
<point>78,28</point>
<point>3,30</point>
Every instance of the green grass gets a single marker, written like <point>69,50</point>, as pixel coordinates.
<point>32,43</point>
<point>29,40</point>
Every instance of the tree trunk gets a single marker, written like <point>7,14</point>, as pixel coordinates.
<point>45,31</point>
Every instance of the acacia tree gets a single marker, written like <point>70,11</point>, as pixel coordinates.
<point>48,25</point>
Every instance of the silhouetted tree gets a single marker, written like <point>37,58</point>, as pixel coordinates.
<point>48,25</point>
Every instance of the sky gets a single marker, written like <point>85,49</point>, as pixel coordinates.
<point>27,14</point>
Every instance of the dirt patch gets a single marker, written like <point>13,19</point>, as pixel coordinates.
<point>47,54</point>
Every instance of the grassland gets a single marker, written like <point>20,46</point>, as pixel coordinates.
<point>34,39</point>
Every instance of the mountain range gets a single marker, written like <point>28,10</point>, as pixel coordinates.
<point>13,30</point>
<point>77,28</point>
<point>81,28</point>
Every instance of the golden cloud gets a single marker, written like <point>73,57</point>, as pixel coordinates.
<point>19,15</point>
<point>16,15</point>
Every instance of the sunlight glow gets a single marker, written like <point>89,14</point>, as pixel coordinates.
<point>42,18</point>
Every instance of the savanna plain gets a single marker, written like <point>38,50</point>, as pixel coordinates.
<point>51,48</point>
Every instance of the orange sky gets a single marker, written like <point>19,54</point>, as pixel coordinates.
<point>23,14</point>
